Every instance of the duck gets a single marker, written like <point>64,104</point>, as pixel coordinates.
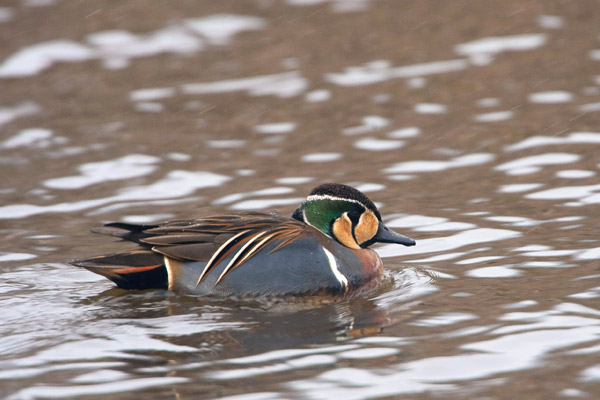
<point>322,249</point>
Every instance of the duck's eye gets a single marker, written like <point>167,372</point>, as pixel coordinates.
<point>354,217</point>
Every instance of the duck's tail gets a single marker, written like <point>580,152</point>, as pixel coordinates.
<point>136,269</point>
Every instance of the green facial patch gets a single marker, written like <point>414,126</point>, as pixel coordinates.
<point>322,212</point>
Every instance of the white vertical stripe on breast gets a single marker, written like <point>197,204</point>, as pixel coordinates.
<point>336,271</point>
<point>169,272</point>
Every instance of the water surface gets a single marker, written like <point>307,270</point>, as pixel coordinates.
<point>474,127</point>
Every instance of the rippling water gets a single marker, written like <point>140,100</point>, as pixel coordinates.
<point>475,127</point>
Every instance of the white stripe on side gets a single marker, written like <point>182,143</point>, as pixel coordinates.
<point>217,254</point>
<point>336,271</point>
<point>169,272</point>
<point>237,255</point>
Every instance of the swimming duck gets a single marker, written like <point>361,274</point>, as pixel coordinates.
<point>321,249</point>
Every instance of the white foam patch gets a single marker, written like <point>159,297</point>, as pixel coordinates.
<point>6,14</point>
<point>382,98</point>
<point>9,114</point>
<point>373,144</point>
<point>146,219</point>
<point>551,21</point>
<point>317,96</point>
<point>446,243</point>
<point>416,83</point>
<point>573,138</point>
<point>39,3</point>
<point>514,220</point>
<point>381,71</point>
<point>493,272</point>
<point>590,107</point>
<point>220,28</point>
<point>33,59</point>
<point>400,177</point>
<point>275,128</point>
<point>590,374</point>
<point>122,45</point>
<point>488,102</point>
<point>28,138</point>
<point>225,143</point>
<point>321,157</point>
<point>589,254</point>
<point>117,47</point>
<point>545,264</point>
<point>287,84</point>
<point>245,172</point>
<point>519,187</point>
<point>339,6</point>
<point>430,108</point>
<point>127,167</point>
<point>4,257</point>
<point>494,116</point>
<point>521,304</point>
<point>304,3</point>
<point>537,161</point>
<point>551,97</point>
<point>594,54</point>
<point>480,51</point>
<point>404,133</point>
<point>149,107</point>
<point>568,219</point>
<point>370,123</point>
<point>433,166</point>
<point>369,188</point>
<point>593,293</point>
<point>575,174</point>
<point>344,6</point>
<point>524,171</point>
<point>178,156</point>
<point>151,94</point>
<point>368,353</point>
<point>294,180</point>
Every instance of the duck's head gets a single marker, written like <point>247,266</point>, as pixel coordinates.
<point>347,215</point>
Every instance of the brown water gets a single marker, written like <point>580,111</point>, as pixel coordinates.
<point>474,125</point>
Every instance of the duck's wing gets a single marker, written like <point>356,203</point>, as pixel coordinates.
<point>210,240</point>
<point>236,238</point>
